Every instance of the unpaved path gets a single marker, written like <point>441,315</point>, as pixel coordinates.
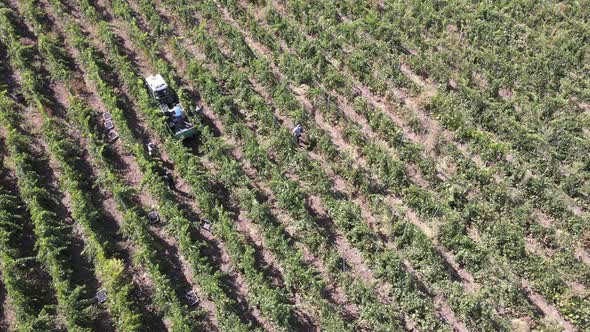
<point>7,315</point>
<point>548,310</point>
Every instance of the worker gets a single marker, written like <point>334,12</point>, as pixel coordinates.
<point>151,147</point>
<point>169,180</point>
<point>297,131</point>
<point>199,108</point>
<point>178,112</point>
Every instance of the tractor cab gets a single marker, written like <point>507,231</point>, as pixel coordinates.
<point>160,91</point>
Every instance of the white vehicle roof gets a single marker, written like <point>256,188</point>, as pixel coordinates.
<point>156,82</point>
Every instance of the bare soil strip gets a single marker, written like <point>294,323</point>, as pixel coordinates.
<point>548,310</point>
<point>7,315</point>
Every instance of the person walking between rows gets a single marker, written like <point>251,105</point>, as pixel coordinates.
<point>297,131</point>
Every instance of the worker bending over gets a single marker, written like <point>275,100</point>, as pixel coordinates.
<point>169,180</point>
<point>151,147</point>
<point>297,131</point>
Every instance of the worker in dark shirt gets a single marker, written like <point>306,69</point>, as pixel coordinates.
<point>169,181</point>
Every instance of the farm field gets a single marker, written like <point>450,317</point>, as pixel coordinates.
<point>441,181</point>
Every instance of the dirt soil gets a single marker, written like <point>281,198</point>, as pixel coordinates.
<point>7,315</point>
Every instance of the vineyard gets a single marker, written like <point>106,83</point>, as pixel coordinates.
<point>441,181</point>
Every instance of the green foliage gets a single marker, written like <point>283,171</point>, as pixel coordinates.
<point>504,128</point>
